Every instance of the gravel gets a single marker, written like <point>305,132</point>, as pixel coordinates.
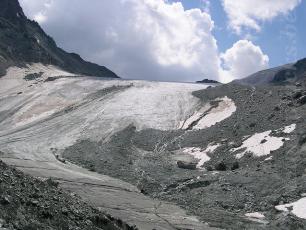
<point>29,203</point>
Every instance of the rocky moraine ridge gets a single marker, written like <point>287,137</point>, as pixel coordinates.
<point>245,172</point>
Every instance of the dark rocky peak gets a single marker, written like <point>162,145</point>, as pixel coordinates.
<point>301,66</point>
<point>23,41</point>
<point>208,81</point>
<point>286,74</point>
<point>11,9</point>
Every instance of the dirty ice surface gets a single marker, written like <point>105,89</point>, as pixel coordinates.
<point>14,75</point>
<point>158,105</point>
<point>36,105</point>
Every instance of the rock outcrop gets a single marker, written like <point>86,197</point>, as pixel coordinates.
<point>23,41</point>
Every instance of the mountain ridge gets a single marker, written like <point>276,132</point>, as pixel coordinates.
<point>23,41</point>
<point>287,73</point>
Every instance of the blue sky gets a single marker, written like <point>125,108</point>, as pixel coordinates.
<point>282,38</point>
<point>177,40</point>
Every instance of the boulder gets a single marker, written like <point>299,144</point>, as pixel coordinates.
<point>297,94</point>
<point>235,166</point>
<point>1,223</point>
<point>302,139</point>
<point>236,144</point>
<point>263,141</point>
<point>186,165</point>
<point>60,159</point>
<point>5,200</point>
<point>277,108</point>
<point>271,116</point>
<point>252,125</point>
<point>302,100</point>
<point>221,166</point>
<point>50,79</point>
<point>209,168</point>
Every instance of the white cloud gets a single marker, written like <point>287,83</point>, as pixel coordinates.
<point>243,59</point>
<point>40,17</point>
<point>248,14</point>
<point>141,39</point>
<point>38,9</point>
<point>147,39</point>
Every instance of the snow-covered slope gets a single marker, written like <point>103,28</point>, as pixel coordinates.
<point>98,107</point>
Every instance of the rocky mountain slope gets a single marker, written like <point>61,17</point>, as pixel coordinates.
<point>29,203</point>
<point>23,41</point>
<point>279,75</point>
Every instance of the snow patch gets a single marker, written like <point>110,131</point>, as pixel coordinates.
<point>297,208</point>
<point>224,110</point>
<point>289,129</point>
<point>269,158</point>
<point>196,116</point>
<point>200,154</point>
<point>226,107</point>
<point>255,215</point>
<point>260,144</point>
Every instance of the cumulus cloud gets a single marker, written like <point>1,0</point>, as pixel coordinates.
<point>37,9</point>
<point>243,59</point>
<point>142,39</point>
<point>139,39</point>
<point>248,14</point>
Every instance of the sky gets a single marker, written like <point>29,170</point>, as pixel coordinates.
<point>177,40</point>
